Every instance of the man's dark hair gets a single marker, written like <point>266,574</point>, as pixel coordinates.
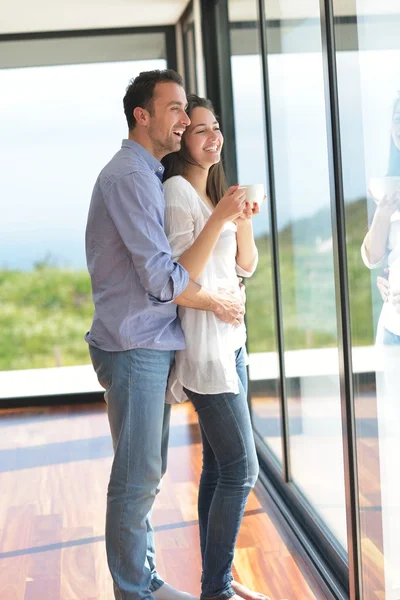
<point>140,91</point>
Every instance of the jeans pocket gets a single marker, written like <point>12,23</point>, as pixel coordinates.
<point>103,364</point>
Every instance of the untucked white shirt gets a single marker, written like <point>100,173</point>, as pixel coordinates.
<point>208,364</point>
<point>389,317</point>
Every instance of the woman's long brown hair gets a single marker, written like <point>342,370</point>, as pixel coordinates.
<point>177,163</point>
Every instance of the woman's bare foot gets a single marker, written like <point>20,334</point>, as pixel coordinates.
<point>246,593</point>
<point>167,592</point>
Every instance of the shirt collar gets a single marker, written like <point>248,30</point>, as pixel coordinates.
<point>149,159</point>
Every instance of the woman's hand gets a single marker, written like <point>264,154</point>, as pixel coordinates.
<point>248,213</point>
<point>231,205</point>
<point>387,205</point>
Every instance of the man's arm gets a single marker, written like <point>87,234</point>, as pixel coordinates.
<point>135,205</point>
<point>132,204</point>
<point>226,306</point>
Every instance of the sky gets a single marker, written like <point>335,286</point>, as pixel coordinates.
<point>299,126</point>
<point>61,124</point>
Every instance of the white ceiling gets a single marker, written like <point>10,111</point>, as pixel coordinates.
<point>22,16</point>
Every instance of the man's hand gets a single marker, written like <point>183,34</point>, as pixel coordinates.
<point>228,307</point>
<point>242,290</point>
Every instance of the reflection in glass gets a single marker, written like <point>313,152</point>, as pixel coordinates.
<point>301,175</point>
<point>251,159</point>
<point>368,79</point>
<point>59,125</point>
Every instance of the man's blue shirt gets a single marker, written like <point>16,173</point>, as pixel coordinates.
<point>134,280</point>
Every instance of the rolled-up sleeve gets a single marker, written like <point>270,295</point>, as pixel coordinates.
<point>367,262</point>
<point>136,207</point>
<point>243,273</point>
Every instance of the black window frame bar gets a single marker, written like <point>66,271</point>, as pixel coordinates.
<point>218,75</point>
<point>342,300</point>
<point>277,296</point>
<point>187,14</point>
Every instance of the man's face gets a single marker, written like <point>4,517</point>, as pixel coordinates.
<point>168,119</point>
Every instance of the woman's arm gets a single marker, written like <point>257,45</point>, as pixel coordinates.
<point>195,258</point>
<point>247,254</point>
<point>376,240</point>
<point>197,253</point>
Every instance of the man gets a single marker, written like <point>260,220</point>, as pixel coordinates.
<point>135,329</point>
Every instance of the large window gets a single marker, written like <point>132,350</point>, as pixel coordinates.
<point>303,219</point>
<point>309,140</point>
<point>369,106</point>
<point>299,146</point>
<point>61,121</point>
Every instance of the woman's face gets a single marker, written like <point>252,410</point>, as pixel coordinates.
<point>396,126</point>
<point>203,138</point>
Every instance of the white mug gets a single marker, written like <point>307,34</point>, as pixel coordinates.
<point>254,193</point>
<point>382,186</point>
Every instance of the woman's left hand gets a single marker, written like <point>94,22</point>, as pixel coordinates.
<point>248,213</point>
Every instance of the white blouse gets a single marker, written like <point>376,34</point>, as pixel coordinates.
<point>389,318</point>
<point>208,364</point>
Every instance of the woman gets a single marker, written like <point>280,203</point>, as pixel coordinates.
<point>381,245</point>
<point>210,233</point>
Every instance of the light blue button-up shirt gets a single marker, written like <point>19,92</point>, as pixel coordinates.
<point>134,280</point>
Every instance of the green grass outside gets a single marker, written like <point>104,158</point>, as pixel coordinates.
<point>45,313</point>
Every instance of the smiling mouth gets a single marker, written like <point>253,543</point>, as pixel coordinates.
<point>211,149</point>
<point>179,134</point>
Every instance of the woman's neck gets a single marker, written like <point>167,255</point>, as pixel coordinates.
<point>197,177</point>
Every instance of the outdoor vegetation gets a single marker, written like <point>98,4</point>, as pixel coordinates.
<point>44,313</point>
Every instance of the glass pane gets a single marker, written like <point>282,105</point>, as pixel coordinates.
<point>60,125</point>
<point>189,54</point>
<point>369,101</point>
<point>252,168</point>
<point>306,261</point>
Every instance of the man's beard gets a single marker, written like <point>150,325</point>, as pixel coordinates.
<point>165,146</point>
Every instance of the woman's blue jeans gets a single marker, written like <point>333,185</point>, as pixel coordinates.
<point>135,384</point>
<point>390,339</point>
<point>230,470</point>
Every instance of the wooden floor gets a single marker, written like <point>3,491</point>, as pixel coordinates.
<point>325,495</point>
<point>54,468</point>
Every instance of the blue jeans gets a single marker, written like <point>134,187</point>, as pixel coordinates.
<point>230,470</point>
<point>135,382</point>
<point>390,339</point>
